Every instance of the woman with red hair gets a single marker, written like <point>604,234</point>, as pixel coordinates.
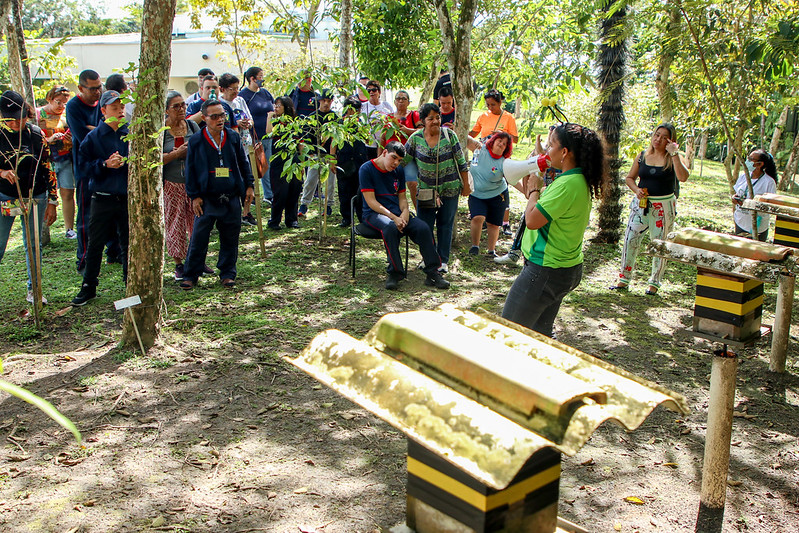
<point>489,198</point>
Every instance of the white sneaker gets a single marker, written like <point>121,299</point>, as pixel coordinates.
<point>507,259</point>
<point>30,298</point>
<point>443,268</point>
<point>71,234</point>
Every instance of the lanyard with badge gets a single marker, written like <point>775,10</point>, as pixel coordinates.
<point>221,171</point>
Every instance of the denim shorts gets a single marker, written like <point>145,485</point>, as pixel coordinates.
<point>64,173</point>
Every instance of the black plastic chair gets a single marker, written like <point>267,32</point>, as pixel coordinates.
<point>367,232</point>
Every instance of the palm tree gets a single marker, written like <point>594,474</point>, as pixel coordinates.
<point>611,63</point>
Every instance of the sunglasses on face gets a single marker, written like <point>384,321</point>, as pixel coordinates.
<point>372,90</point>
<point>215,116</point>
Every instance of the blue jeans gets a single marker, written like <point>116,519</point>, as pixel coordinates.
<point>534,298</point>
<point>6,223</point>
<point>442,219</point>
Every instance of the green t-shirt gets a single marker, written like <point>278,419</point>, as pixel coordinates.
<point>566,204</point>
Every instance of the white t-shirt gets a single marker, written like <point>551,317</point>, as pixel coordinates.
<point>372,111</point>
<point>761,185</point>
<point>240,110</point>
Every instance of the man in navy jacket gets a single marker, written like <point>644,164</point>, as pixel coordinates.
<point>83,115</point>
<point>218,177</point>
<point>102,157</point>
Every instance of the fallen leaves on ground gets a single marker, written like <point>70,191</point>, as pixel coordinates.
<point>634,499</point>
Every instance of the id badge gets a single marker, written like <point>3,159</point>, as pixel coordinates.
<point>222,172</point>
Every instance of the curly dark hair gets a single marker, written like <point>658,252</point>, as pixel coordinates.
<point>769,167</point>
<point>589,154</point>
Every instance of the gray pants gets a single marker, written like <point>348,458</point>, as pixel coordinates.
<point>534,298</point>
<point>311,181</point>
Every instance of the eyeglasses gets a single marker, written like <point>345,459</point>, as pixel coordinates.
<point>215,116</point>
<point>372,90</point>
<point>97,89</point>
<point>181,105</point>
<point>401,98</point>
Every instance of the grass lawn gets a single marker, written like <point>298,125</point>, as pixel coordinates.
<point>233,420</point>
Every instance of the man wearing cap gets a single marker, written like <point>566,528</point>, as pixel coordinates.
<point>218,177</point>
<point>83,115</point>
<point>321,116</point>
<point>24,161</point>
<point>103,156</point>
<point>201,74</point>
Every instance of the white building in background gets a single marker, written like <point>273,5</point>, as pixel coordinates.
<point>192,49</point>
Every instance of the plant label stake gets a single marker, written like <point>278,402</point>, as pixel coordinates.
<point>127,303</point>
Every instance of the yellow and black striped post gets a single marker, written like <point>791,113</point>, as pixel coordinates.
<point>442,498</point>
<point>786,232</point>
<point>727,306</point>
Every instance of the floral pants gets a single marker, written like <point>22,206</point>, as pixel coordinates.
<point>658,220</point>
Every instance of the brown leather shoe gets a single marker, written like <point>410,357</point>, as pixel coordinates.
<point>228,283</point>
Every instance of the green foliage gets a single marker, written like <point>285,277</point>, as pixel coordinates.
<point>72,17</point>
<point>42,404</point>
<point>396,41</point>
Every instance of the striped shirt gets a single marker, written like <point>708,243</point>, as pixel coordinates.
<point>451,161</point>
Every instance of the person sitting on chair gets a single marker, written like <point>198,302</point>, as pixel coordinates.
<point>386,210</point>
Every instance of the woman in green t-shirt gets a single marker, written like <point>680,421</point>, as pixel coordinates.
<point>556,220</point>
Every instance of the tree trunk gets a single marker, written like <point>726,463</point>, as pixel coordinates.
<point>457,49</point>
<point>662,84</point>
<point>790,166</point>
<point>703,145</point>
<point>430,84</point>
<point>690,150</point>
<point>778,127</point>
<point>146,249</point>
<point>612,60</point>
<point>345,37</point>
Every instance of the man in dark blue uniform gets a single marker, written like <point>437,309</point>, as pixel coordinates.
<point>83,115</point>
<point>218,177</point>
<point>102,157</point>
<point>386,210</point>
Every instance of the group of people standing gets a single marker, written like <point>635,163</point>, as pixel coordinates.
<point>80,151</point>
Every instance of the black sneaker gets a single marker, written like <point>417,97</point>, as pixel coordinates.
<point>179,272</point>
<point>474,250</point>
<point>435,279</point>
<point>392,281</point>
<point>87,292</point>
<point>329,211</point>
<point>506,230</point>
<point>248,220</point>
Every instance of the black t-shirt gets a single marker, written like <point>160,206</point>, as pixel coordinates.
<point>656,180</point>
<point>448,117</point>
<point>440,84</point>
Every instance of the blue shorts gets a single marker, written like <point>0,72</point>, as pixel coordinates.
<point>491,208</point>
<point>65,174</point>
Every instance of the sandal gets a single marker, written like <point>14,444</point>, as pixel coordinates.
<point>228,283</point>
<point>187,284</point>
<point>650,292</point>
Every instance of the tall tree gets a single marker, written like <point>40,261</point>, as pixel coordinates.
<point>345,36</point>
<point>146,249</point>
<point>456,41</point>
<point>611,69</point>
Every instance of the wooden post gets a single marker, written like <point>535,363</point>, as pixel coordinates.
<point>782,323</point>
<point>717,442</point>
<point>257,183</point>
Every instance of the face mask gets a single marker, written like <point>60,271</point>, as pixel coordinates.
<point>260,83</point>
<point>750,165</point>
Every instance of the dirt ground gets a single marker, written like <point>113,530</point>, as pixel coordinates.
<point>228,437</point>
